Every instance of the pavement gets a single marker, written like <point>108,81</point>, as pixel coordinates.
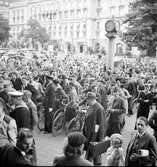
<point>48,146</point>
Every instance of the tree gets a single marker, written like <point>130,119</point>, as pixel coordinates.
<point>142,26</point>
<point>4,29</point>
<point>35,32</point>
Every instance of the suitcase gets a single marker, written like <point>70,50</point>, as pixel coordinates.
<point>97,148</point>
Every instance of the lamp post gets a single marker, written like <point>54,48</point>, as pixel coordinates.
<point>112,27</point>
<point>51,25</point>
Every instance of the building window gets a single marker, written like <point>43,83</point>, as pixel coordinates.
<point>99,3</point>
<point>98,26</point>
<point>98,12</point>
<point>84,30</point>
<point>121,10</point>
<point>98,29</point>
<point>13,20</point>
<point>65,30</point>
<point>60,15</point>
<point>22,19</point>
<point>54,16</point>
<point>78,30</point>
<point>72,30</point>
<point>66,14</point>
<point>39,16</point>
<point>79,3</point>
<point>113,11</point>
<point>72,13</point>
<point>60,31</point>
<point>84,12</point>
<point>78,13</point>
<point>54,31</point>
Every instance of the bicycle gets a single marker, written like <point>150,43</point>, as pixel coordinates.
<point>77,123</point>
<point>61,108</point>
<point>63,117</point>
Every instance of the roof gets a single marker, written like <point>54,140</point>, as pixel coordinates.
<point>13,1</point>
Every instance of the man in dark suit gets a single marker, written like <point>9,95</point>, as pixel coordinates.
<point>49,104</point>
<point>94,127</point>
<point>142,148</point>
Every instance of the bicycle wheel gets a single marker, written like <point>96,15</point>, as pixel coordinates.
<point>58,124</point>
<point>75,125</point>
<point>41,121</point>
<point>56,113</point>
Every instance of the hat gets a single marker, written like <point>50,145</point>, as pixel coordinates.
<point>91,95</point>
<point>76,139</point>
<point>15,93</point>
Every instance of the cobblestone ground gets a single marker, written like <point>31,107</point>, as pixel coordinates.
<point>48,146</point>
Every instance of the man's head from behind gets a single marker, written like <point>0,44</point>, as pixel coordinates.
<point>24,140</point>
<point>16,97</point>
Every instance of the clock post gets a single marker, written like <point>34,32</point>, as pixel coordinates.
<point>111,29</point>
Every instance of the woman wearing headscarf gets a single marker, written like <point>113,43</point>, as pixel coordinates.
<point>73,150</point>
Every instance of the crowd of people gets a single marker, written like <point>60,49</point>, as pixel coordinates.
<point>28,79</point>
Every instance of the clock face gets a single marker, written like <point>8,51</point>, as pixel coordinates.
<point>109,26</point>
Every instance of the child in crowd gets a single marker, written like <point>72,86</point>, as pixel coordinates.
<point>115,153</point>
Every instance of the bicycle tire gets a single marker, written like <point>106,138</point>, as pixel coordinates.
<point>58,120</point>
<point>75,125</point>
<point>56,113</point>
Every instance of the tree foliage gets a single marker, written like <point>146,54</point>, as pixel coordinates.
<point>35,32</point>
<point>4,29</point>
<point>142,25</point>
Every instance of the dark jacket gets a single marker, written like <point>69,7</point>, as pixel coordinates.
<point>49,100</point>
<point>21,114</point>
<point>147,142</point>
<point>65,161</point>
<point>116,118</point>
<point>12,156</point>
<point>95,115</point>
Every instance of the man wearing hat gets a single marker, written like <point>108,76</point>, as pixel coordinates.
<point>21,112</point>
<point>94,128</point>
<point>49,104</point>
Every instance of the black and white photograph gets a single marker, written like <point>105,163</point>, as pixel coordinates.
<point>78,83</point>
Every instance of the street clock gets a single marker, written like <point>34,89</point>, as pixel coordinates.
<point>110,26</point>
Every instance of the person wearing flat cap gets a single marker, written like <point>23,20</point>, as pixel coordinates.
<point>73,150</point>
<point>21,113</point>
<point>94,128</point>
<point>49,104</point>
